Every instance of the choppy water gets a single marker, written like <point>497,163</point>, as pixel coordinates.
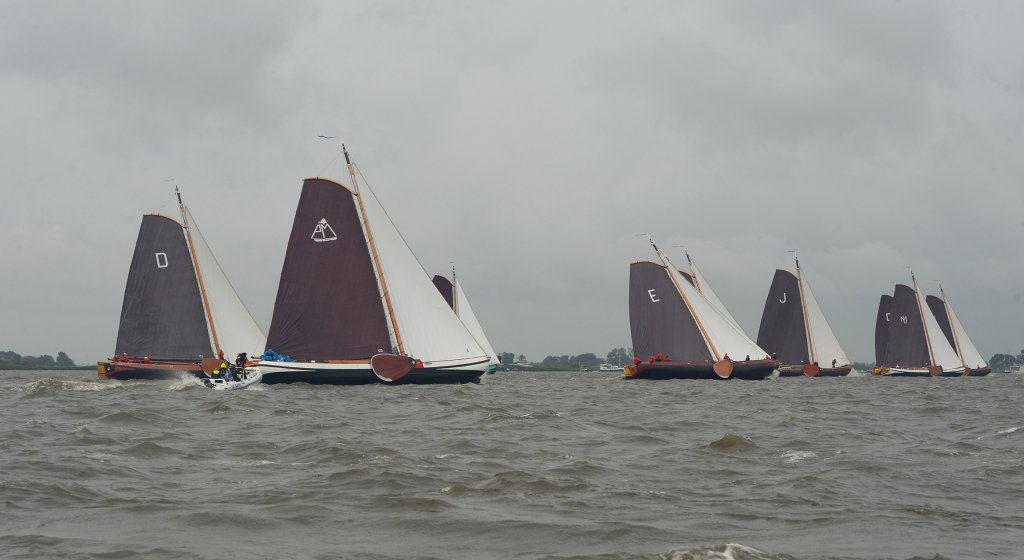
<point>525,465</point>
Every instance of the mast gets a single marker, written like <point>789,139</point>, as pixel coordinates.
<point>952,328</point>
<point>199,274</point>
<point>803,308</point>
<point>373,251</point>
<point>924,324</point>
<point>686,300</point>
<point>455,292</point>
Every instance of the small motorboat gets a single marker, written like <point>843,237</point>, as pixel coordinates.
<point>242,378</point>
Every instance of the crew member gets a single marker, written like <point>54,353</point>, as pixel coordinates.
<point>636,360</point>
<point>661,357</point>
<point>650,359</point>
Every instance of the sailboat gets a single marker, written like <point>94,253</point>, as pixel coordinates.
<point>179,307</point>
<point>973,362</point>
<point>794,329</point>
<point>915,345</point>
<point>453,294</point>
<point>354,305</point>
<point>669,316</point>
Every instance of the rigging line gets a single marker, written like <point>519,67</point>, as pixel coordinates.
<point>388,216</point>
<point>334,160</point>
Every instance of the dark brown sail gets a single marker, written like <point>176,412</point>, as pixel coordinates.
<point>882,331</point>
<point>938,308</point>
<point>328,303</point>
<point>659,319</point>
<point>783,331</point>
<point>446,288</point>
<point>162,314</point>
<point>908,346</point>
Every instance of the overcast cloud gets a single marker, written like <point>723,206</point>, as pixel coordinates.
<point>528,142</point>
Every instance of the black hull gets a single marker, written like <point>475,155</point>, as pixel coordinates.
<point>797,371</point>
<point>981,372</point>
<point>753,370</point>
<point>367,377</point>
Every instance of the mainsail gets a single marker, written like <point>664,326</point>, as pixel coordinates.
<point>162,312</point>
<point>783,329</point>
<point>328,304</point>
<point>659,319</point>
<point>882,331</point>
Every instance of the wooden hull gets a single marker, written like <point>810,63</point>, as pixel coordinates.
<point>155,370</point>
<point>754,369</point>
<point>980,372</point>
<point>798,371</point>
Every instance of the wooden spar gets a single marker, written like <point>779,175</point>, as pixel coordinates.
<point>199,274</point>
<point>952,327</point>
<point>803,307</point>
<point>373,251</point>
<point>689,306</point>
<point>924,322</point>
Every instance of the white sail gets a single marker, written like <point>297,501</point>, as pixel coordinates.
<point>968,352</point>
<point>710,295</point>
<point>943,353</point>
<point>721,333</point>
<point>236,330</point>
<point>429,329</point>
<point>465,312</point>
<point>826,345</point>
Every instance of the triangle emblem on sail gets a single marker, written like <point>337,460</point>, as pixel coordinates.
<point>323,232</point>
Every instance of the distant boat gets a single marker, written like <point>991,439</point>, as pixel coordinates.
<point>794,329</point>
<point>354,305</point>
<point>452,292</point>
<point>973,362</point>
<point>609,367</point>
<point>913,344</point>
<point>179,306</point>
<point>668,314</point>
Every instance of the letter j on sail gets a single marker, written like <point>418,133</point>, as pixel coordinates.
<point>323,232</point>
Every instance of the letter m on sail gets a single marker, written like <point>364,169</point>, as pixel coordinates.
<point>323,232</point>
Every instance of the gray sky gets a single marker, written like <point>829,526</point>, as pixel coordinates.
<point>528,142</point>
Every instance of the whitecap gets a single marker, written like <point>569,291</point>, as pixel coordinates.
<point>797,456</point>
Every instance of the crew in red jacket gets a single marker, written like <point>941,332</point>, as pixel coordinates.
<point>636,360</point>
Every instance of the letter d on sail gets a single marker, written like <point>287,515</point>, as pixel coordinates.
<point>323,232</point>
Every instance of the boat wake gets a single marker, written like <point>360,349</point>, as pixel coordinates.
<point>50,386</point>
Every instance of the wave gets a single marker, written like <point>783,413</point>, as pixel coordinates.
<point>729,551</point>
<point>50,385</point>
<point>733,441</point>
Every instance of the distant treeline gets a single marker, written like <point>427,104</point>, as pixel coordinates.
<point>14,360</point>
<point>572,363</point>
<point>1001,362</point>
